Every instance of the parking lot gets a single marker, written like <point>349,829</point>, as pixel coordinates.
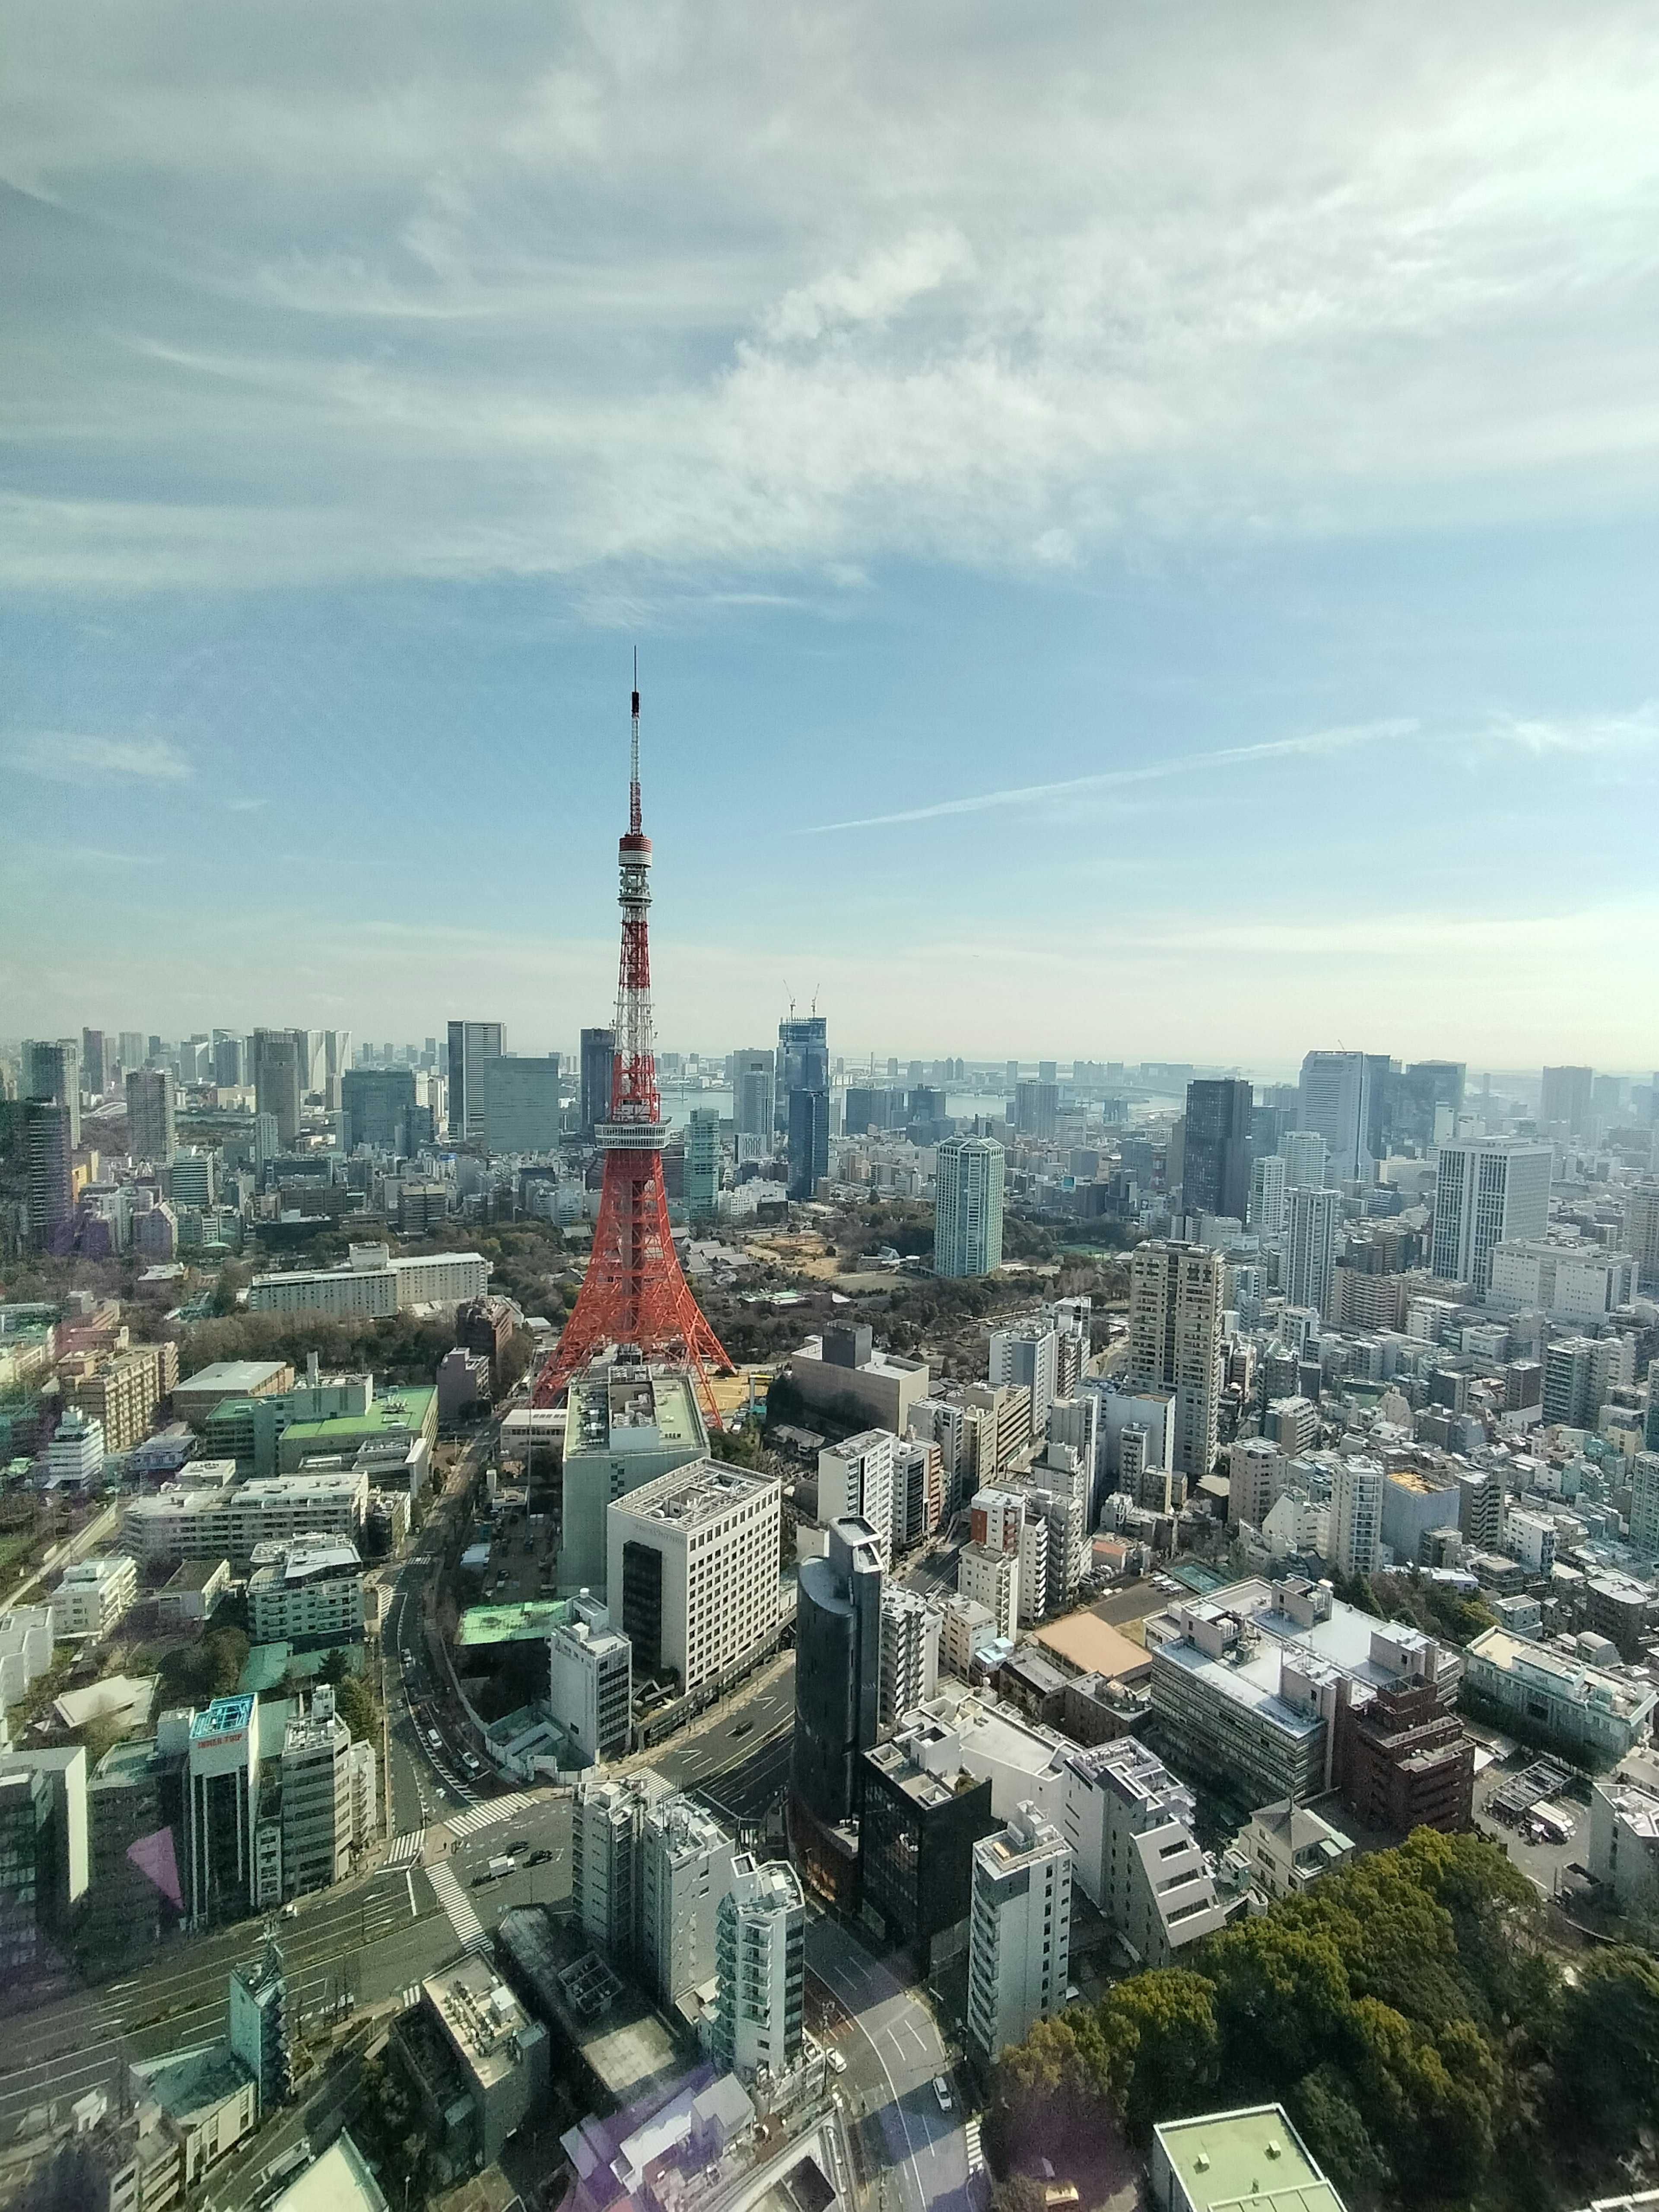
<point>1556,1867</point>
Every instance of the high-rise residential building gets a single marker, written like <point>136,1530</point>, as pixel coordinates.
<point>692,1573</point>
<point>52,1072</point>
<point>1579,1373</point>
<point>470,1044</point>
<point>591,1680</point>
<point>1312,1221</point>
<point>1488,1191</point>
<point>1357,1516</point>
<point>131,1054</point>
<point>377,1108</point>
<point>230,1061</point>
<point>760,1953</point>
<point>316,1797</point>
<point>152,1128</point>
<point>599,1050</point>
<point>837,1672</point>
<point>855,1483</point>
<point>1304,1153</point>
<point>1336,1101</point>
<point>49,1145</point>
<point>1642,1231</point>
<point>1175,1342</point>
<point>686,1869</point>
<point>754,1082</point>
<point>1215,1173</point>
<point>968,1206</point>
<point>1266,1205</point>
<point>520,1102</point>
<point>94,1063</point>
<point>910,1628</point>
<point>1028,1353</point>
<point>1019,1943</point>
<point>1645,1504</point>
<point>1565,1100</point>
<point>1036,1108</point>
<point>809,1141</point>
<point>607,1839</point>
<point>281,1059</point>
<point>702,1165</point>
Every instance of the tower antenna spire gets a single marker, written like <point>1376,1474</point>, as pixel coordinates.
<point>634,819</point>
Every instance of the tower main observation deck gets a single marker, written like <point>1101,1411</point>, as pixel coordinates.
<point>634,1294</point>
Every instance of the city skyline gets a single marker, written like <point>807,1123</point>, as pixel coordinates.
<point>1195,516</point>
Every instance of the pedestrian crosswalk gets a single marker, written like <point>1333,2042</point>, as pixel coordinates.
<point>405,1850</point>
<point>485,1816</point>
<point>409,1995</point>
<point>458,1908</point>
<point>976,2156</point>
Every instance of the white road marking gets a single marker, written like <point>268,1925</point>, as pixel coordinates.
<point>410,1878</point>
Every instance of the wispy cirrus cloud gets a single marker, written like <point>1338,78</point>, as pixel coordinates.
<point>70,756</point>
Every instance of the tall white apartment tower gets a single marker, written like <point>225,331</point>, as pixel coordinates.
<point>1311,1218</point>
<point>1019,1943</point>
<point>1175,1341</point>
<point>1488,1191</point>
<point>966,1206</point>
<point>855,1483</point>
<point>686,1860</point>
<point>1266,1212</point>
<point>1357,1516</point>
<point>910,1628</point>
<point>1302,1151</point>
<point>760,1953</point>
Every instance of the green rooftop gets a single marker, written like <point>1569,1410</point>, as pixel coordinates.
<point>408,1410</point>
<point>526,1622</point>
<point>1252,2157</point>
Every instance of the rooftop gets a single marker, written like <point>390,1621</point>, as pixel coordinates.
<point>234,1378</point>
<point>188,2082</point>
<point>483,2019</point>
<point>632,1409</point>
<point>702,1490</point>
<point>1624,1695</point>
<point>1252,2157</point>
<point>338,2180</point>
<point>1086,1644</point>
<point>527,1622</point>
<point>224,1716</point>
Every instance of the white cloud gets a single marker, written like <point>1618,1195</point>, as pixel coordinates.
<point>614,285</point>
<point>65,756</point>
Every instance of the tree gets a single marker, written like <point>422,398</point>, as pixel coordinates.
<point>1162,2044</point>
<point>356,1708</point>
<point>1607,2051</point>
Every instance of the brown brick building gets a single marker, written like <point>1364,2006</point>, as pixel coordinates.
<point>1404,1762</point>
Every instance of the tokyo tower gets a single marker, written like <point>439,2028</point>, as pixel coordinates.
<point>634,1294</point>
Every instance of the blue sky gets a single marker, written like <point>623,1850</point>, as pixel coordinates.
<point>1139,524</point>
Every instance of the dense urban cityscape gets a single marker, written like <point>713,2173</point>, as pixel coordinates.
<point>900,1622</point>
<point>959,1510</point>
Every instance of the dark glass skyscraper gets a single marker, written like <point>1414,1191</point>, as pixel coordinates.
<point>598,1047</point>
<point>837,1671</point>
<point>1215,1176</point>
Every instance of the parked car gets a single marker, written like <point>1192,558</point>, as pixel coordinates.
<point>942,2091</point>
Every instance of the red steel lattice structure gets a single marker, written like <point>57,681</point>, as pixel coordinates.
<point>634,1294</point>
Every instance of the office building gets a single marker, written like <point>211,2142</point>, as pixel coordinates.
<point>374,1287</point>
<point>521,1111</point>
<point>1175,1342</point>
<point>1020,1943</point>
<point>855,1483</point>
<point>809,1141</point>
<point>49,1146</point>
<point>25,1873</point>
<point>910,1630</point>
<point>152,1128</point>
<point>1215,1170</point>
<point>702,1165</point>
<point>260,2026</point>
<point>94,1063</point>
<point>686,1865</point>
<point>498,2051</point>
<point>316,1818</point>
<point>694,1560</point>
<point>1312,1221</point>
<point>607,1840</point>
<point>1424,1102</point>
<point>625,1426</point>
<point>842,1374</point>
<point>1590,1712</point>
<point>1334,1101</point>
<point>918,1492</point>
<point>598,1049</point>
<point>1265,1207</point>
<point>1357,1488</point>
<point>470,1045</point>
<point>760,1954</point>
<point>377,1109</point>
<point>1036,1108</point>
<point>968,1175</point>
<point>230,1062</point>
<point>52,1072</point>
<point>753,1091</point>
<point>1304,1155</point>
<point>922,1816</point>
<point>837,1672</point>
<point>281,1071</point>
<point>1565,1100</point>
<point>62,1862</point>
<point>222,1805</point>
<point>1027,1355</point>
<point>93,1597</point>
<point>307,1592</point>
<point>1488,1191</point>
<point>1572,1282</point>
<point>591,1684</point>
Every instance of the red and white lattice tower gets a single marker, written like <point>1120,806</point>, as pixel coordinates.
<point>634,1294</point>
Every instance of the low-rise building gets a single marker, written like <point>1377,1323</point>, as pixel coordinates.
<point>1290,1846</point>
<point>1559,1699</point>
<point>1252,2157</point>
<point>190,1520</point>
<point>590,1669</point>
<point>1405,1761</point>
<point>915,1846</point>
<point>210,2098</point>
<point>1623,1843</point>
<point>841,1373</point>
<point>307,1592</point>
<point>196,1396</point>
<point>374,1287</point>
<point>966,1628</point>
<point>500,2052</point>
<point>95,1594</point>
<point>1129,1824</point>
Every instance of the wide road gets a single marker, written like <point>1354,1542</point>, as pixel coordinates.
<point>893,2054</point>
